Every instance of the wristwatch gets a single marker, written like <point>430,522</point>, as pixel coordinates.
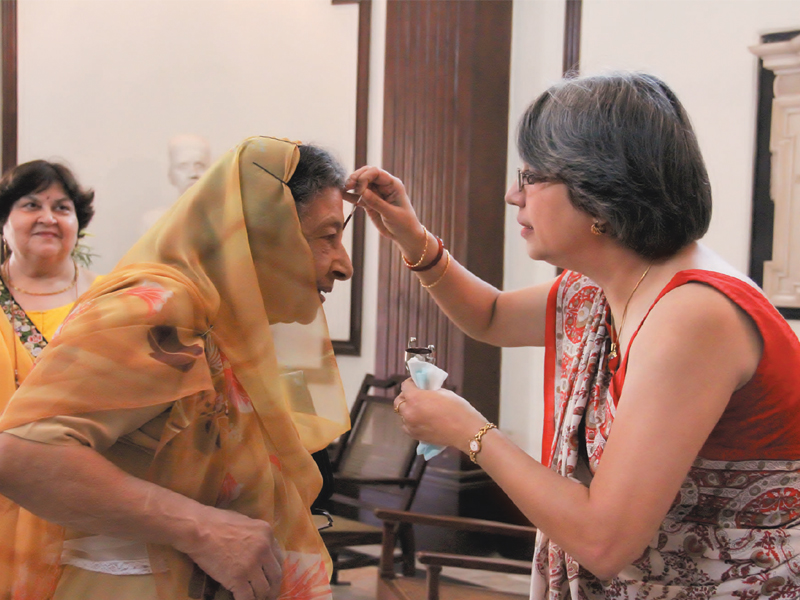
<point>475,443</point>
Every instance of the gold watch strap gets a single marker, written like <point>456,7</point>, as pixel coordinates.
<point>475,442</point>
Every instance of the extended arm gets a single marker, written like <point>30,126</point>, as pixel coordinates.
<point>76,487</point>
<point>692,353</point>
<point>479,309</point>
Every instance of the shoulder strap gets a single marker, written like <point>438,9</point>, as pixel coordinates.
<point>748,297</point>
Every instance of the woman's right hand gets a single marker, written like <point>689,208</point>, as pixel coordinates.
<point>240,553</point>
<point>384,198</point>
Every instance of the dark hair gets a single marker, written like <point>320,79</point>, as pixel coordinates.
<point>316,171</point>
<point>623,145</point>
<point>36,176</point>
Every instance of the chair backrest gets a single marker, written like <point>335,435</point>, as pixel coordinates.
<point>376,446</point>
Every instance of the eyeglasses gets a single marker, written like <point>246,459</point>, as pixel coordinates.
<point>526,177</point>
<point>352,212</point>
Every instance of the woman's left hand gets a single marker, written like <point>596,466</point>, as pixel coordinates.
<point>441,417</point>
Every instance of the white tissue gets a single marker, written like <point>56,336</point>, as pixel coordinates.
<point>426,376</point>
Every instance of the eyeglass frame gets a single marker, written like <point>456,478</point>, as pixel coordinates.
<point>525,177</point>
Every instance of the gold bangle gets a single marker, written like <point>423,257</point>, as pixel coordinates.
<point>421,258</point>
<point>446,266</point>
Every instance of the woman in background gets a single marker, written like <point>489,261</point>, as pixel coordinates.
<point>43,212</point>
<point>649,335</point>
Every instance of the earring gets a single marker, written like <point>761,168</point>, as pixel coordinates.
<point>598,229</point>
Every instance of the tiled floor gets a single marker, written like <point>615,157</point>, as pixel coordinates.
<point>363,581</point>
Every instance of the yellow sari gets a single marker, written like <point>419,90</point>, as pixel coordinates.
<point>188,317</point>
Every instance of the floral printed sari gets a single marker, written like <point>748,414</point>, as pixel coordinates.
<point>733,530</point>
<point>190,320</point>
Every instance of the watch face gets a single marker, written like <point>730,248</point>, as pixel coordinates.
<point>475,446</point>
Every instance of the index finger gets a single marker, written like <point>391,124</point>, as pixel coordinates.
<point>351,197</point>
<point>368,175</point>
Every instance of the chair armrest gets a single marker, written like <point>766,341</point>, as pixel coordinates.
<point>375,480</point>
<point>459,523</point>
<point>483,563</point>
<point>346,500</point>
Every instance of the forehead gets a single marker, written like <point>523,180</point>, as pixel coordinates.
<point>324,209</point>
<point>54,193</point>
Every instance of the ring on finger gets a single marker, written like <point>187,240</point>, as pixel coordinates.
<point>397,406</point>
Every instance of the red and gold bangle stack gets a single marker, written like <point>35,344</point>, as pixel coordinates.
<point>418,268</point>
<point>446,266</point>
<point>417,265</point>
<point>439,253</point>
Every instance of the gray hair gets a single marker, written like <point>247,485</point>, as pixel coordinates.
<point>623,145</point>
<point>317,170</point>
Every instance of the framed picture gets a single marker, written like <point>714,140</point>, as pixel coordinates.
<point>8,76</point>
<point>103,87</point>
<point>775,242</point>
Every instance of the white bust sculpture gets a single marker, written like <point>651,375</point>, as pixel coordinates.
<point>189,157</point>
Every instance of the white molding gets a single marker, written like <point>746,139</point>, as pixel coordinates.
<point>782,274</point>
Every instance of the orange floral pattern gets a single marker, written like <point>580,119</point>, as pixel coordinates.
<point>235,391</point>
<point>154,294</point>
<point>304,578</point>
<point>229,491</point>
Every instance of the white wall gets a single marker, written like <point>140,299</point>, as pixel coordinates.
<point>103,85</point>
<point>700,48</point>
<point>536,54</point>
<point>353,368</point>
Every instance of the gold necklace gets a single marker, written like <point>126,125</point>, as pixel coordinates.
<point>7,277</point>
<point>613,352</point>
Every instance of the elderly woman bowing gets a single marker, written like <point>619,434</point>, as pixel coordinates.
<point>158,428</point>
<point>671,448</point>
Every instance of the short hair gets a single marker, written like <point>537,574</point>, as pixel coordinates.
<point>317,170</point>
<point>623,145</point>
<point>38,175</point>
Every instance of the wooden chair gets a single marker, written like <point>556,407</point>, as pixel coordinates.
<point>375,465</point>
<point>391,587</point>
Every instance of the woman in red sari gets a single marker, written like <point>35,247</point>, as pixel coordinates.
<point>648,334</point>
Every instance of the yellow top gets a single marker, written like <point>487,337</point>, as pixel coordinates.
<point>48,321</point>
